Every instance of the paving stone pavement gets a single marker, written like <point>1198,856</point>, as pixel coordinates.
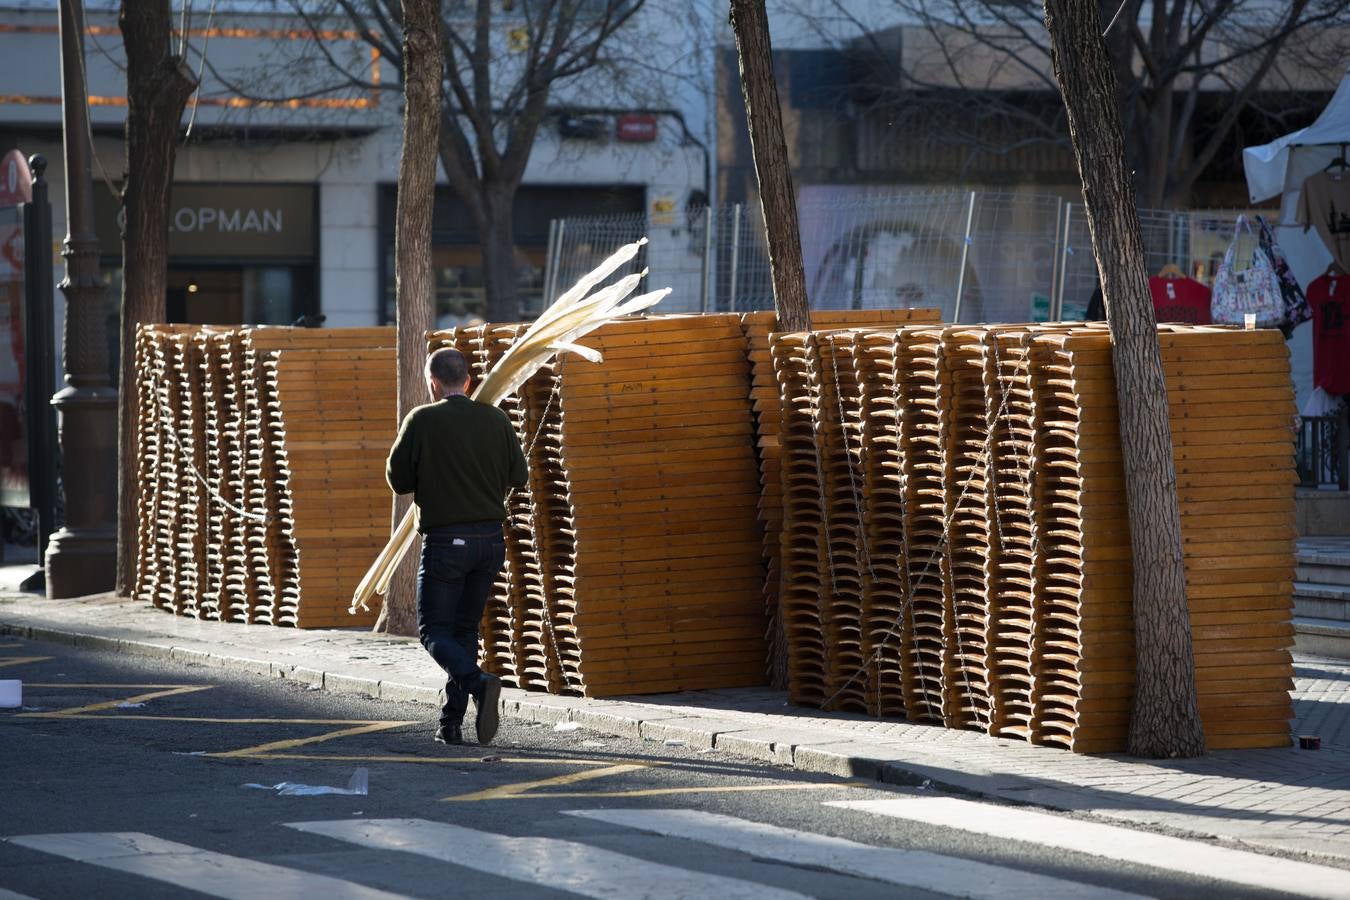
<point>1284,799</point>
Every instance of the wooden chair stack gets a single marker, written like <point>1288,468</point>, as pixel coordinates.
<point>886,626</point>
<point>659,446</point>
<point>946,505</point>
<point>527,623</point>
<point>923,394</point>
<point>634,553</point>
<point>261,469</point>
<point>981,577</point>
<point>1086,638</point>
<point>1011,401</point>
<point>1233,427</point>
<point>767,409</point>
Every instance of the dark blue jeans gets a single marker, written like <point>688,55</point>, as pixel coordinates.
<point>459,565</point>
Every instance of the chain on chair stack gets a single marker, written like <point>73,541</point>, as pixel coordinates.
<point>945,505</point>
<point>261,469</point>
<point>955,543</point>
<point>633,562</point>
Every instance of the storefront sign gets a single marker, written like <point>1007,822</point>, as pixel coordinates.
<point>226,222</point>
<point>636,128</point>
<point>663,210</point>
<point>16,182</point>
<point>13,430</point>
<point>1040,308</point>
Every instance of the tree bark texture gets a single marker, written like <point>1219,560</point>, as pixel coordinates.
<point>764,116</point>
<point>497,239</point>
<point>159,84</point>
<point>1165,718</point>
<point>750,24</point>
<point>414,288</point>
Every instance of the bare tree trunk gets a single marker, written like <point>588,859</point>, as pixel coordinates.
<point>750,24</point>
<point>1165,720</point>
<point>498,242</point>
<point>422,64</point>
<point>159,84</point>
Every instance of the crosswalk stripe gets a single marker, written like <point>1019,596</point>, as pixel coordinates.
<point>205,871</point>
<point>908,868</point>
<point>1113,842</point>
<point>549,862</point>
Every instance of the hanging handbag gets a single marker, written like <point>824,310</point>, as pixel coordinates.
<point>1296,309</point>
<point>1253,291</point>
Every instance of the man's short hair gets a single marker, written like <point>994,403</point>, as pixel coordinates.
<point>448,366</point>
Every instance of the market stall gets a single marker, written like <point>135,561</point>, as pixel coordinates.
<point>1308,170</point>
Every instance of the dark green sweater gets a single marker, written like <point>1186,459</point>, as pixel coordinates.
<point>459,458</point>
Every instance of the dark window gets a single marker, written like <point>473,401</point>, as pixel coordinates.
<point>456,258</point>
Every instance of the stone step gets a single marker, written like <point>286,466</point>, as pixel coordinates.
<point>1322,574</point>
<point>1324,565</point>
<point>1322,637</point>
<point>1322,601</point>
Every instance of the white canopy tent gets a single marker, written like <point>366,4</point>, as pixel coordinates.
<point>1278,169</point>
<point>1281,167</point>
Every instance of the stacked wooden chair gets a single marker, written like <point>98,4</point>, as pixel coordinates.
<point>262,493</point>
<point>936,512</point>
<point>955,542</point>
<point>633,561</point>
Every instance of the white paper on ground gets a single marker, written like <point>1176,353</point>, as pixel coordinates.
<point>11,694</point>
<point>358,786</point>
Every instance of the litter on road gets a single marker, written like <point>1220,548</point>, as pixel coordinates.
<point>358,786</point>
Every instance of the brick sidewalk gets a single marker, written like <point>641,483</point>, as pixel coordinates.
<point>1285,799</point>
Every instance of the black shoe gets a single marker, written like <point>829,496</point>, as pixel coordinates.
<point>449,734</point>
<point>486,696</point>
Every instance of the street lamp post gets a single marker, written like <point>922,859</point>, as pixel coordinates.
<point>81,557</point>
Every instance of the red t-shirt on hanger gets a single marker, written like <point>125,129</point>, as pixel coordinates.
<point>1329,297</point>
<point>1179,300</point>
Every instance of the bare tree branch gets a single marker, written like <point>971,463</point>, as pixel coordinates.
<point>1187,71</point>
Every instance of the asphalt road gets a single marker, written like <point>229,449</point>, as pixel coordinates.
<point>89,772</point>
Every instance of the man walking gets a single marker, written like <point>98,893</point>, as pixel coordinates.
<point>458,458</point>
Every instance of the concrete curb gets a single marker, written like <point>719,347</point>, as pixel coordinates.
<point>822,753</point>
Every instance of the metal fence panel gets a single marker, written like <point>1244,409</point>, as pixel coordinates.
<point>979,256</point>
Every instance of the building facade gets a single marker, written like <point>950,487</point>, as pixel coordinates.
<point>284,193</point>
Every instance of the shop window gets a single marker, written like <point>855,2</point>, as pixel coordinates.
<point>240,295</point>
<point>461,297</point>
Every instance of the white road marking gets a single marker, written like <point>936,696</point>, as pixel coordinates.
<point>11,895</point>
<point>549,862</point>
<point>1113,842</point>
<point>199,870</point>
<point>948,875</point>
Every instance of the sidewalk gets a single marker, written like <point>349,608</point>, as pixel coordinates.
<point>1286,800</point>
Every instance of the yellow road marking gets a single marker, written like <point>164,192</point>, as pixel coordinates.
<point>91,685</point>
<point>111,704</point>
<point>513,791</point>
<point>208,720</point>
<point>724,789</point>
<point>7,661</point>
<point>457,760</point>
<point>325,757</point>
<point>275,749</point>
<point>366,728</point>
<point>98,711</point>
